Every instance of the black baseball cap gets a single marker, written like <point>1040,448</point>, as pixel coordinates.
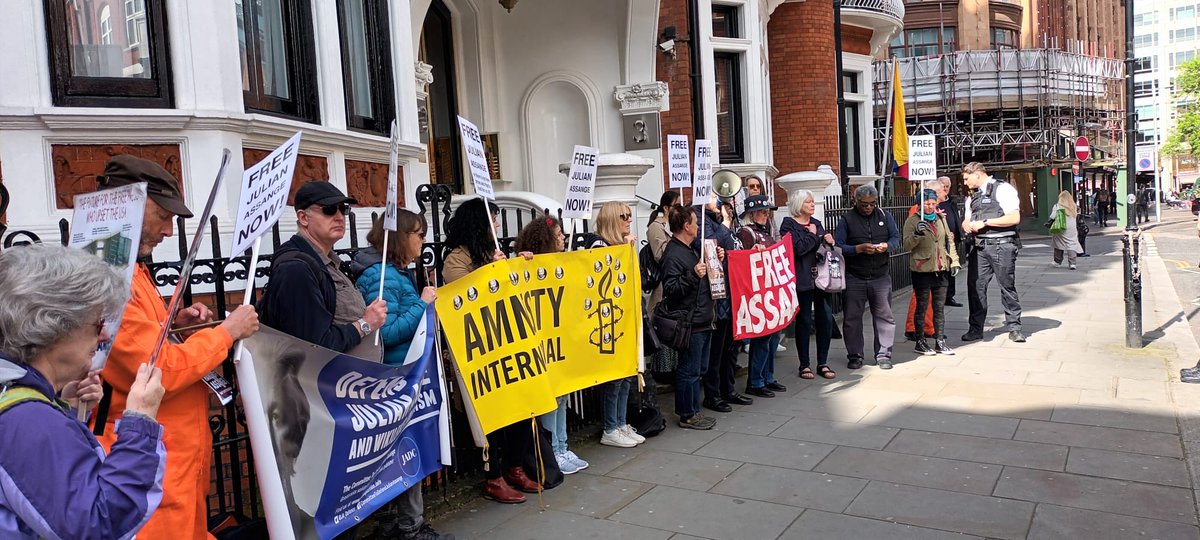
<point>161,185</point>
<point>321,193</point>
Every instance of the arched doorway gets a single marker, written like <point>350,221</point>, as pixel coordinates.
<point>437,50</point>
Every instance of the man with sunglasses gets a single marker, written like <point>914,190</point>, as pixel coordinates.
<point>308,296</point>
<point>866,235</point>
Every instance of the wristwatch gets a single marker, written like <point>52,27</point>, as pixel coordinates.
<point>363,326</point>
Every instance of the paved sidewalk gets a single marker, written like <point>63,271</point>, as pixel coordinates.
<point>1069,435</point>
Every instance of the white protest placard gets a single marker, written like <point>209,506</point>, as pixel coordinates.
<point>678,165</point>
<point>108,224</point>
<point>393,187</point>
<point>481,174</point>
<point>922,158</point>
<point>265,190</point>
<point>581,181</point>
<point>702,179</point>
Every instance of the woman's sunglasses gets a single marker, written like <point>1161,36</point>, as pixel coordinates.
<point>626,217</point>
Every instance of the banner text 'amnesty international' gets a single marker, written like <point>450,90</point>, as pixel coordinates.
<point>518,317</point>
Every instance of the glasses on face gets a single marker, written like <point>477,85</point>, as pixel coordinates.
<point>867,204</point>
<point>332,209</point>
<point>100,326</point>
<point>626,217</point>
<point>755,187</point>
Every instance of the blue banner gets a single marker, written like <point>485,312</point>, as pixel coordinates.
<point>337,437</point>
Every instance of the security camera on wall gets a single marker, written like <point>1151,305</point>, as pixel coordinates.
<point>667,46</point>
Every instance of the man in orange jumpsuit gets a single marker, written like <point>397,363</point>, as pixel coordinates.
<point>184,410</point>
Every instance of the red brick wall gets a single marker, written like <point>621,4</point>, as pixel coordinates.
<point>804,116</point>
<point>76,165</point>
<point>675,72</point>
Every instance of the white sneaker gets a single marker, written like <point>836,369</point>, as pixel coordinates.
<point>780,348</point>
<point>632,433</point>
<point>617,438</point>
<point>565,464</point>
<point>580,464</point>
<point>1072,267</point>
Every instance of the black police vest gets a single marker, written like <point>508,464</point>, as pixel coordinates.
<point>871,229</point>
<point>985,206</point>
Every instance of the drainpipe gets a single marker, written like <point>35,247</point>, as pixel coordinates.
<point>694,69</point>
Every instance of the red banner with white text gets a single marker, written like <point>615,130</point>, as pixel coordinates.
<point>763,288</point>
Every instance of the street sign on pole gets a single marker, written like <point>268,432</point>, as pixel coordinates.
<point>1083,150</point>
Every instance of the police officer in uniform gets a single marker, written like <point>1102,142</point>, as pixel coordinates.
<point>993,218</point>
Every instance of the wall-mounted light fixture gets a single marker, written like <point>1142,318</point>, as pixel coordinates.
<point>508,4</point>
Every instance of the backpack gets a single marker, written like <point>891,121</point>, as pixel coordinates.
<point>829,271</point>
<point>651,270</point>
<point>642,410</point>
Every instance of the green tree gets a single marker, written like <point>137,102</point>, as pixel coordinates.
<point>1185,136</point>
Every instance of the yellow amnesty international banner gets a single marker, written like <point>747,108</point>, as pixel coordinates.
<point>524,332</point>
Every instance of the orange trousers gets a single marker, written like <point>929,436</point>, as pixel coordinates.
<point>910,325</point>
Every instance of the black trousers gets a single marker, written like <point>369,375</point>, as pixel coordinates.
<point>931,293</point>
<point>985,262</point>
<point>507,446</point>
<point>718,380</point>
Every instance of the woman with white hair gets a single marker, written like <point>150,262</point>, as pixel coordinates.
<point>55,481</point>
<point>815,309</point>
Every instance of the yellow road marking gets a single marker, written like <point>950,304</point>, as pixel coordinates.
<point>1180,264</point>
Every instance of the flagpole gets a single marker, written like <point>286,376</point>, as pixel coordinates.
<point>887,134</point>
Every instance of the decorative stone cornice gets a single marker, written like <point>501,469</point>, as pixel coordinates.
<point>642,97</point>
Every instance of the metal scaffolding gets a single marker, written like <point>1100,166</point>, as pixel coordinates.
<point>1007,108</point>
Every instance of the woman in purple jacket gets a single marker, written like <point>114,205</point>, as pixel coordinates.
<point>55,481</point>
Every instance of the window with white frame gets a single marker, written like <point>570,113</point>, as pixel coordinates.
<point>105,26</point>
<point>135,22</point>
<point>851,128</point>
<point>728,69</point>
<point>1183,35</point>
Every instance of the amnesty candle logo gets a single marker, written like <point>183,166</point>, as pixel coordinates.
<point>524,332</point>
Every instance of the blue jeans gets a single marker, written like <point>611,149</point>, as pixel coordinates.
<point>556,423</point>
<point>616,402</point>
<point>692,365</point>
<point>814,304</point>
<point>762,360</point>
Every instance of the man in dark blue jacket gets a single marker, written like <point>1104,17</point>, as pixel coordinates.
<point>719,390</point>
<point>866,235</point>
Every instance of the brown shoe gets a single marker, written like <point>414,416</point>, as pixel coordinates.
<point>516,478</point>
<point>498,490</point>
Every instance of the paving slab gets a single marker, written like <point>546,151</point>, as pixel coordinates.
<point>593,495</point>
<point>1033,410</point>
<point>1117,418</point>
<point>478,517</point>
<point>818,524</point>
<point>1104,438</point>
<point>554,525</point>
<point>944,422</point>
<point>1057,522</point>
<point>674,469</point>
<point>836,433</point>
<point>1125,466</point>
<point>676,439</point>
<point>741,420</point>
<point>786,453</point>
<point>708,515</point>
<point>983,450</point>
<point>831,409</point>
<point>603,459</point>
<point>924,471</point>
<point>947,510</point>
<point>791,487</point>
<point>1129,388</point>
<point>1071,380</point>
<point>1102,494</point>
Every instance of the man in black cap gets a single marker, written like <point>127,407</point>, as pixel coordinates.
<point>182,513</point>
<point>308,296</point>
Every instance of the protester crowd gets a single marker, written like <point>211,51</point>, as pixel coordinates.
<point>147,469</point>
